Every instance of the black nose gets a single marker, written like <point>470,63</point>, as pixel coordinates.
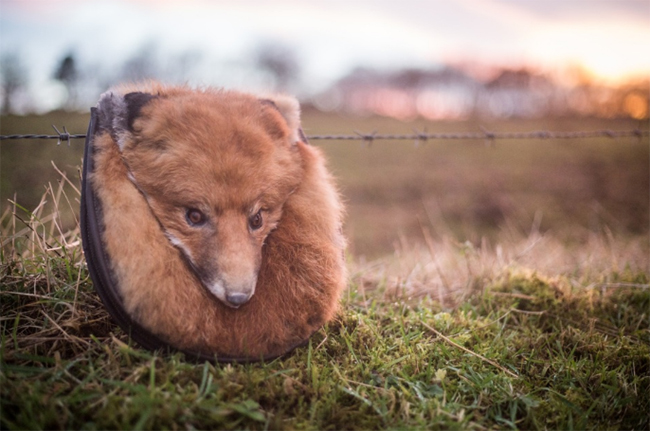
<point>237,299</point>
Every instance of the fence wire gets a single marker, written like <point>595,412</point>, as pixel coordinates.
<point>418,137</point>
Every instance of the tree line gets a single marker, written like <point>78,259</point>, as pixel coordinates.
<point>448,92</point>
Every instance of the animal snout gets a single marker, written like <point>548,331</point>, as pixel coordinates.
<point>237,299</point>
<point>232,294</point>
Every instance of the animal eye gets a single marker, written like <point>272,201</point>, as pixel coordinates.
<point>194,217</point>
<point>256,221</point>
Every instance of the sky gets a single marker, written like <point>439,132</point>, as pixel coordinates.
<point>609,38</point>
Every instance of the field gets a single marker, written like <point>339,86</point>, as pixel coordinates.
<point>492,286</point>
<point>462,189</point>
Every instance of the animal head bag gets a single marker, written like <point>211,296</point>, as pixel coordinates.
<point>209,224</point>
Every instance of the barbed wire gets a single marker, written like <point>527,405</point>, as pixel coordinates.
<point>64,136</point>
<point>417,136</point>
<point>485,135</point>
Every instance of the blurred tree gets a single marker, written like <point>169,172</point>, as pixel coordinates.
<point>142,65</point>
<point>280,62</point>
<point>68,75</point>
<point>13,79</point>
<point>181,67</point>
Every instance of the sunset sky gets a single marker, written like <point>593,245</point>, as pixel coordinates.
<point>609,38</point>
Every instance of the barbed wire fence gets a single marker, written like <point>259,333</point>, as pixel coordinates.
<point>417,136</point>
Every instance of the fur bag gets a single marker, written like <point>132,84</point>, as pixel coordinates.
<point>209,224</point>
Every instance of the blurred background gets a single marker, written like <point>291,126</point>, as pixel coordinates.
<point>382,65</point>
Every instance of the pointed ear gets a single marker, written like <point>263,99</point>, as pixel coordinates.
<point>117,113</point>
<point>290,109</point>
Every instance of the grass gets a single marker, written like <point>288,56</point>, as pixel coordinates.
<point>525,332</point>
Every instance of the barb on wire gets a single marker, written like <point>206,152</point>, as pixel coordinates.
<point>65,136</point>
<point>489,137</point>
<point>419,137</point>
<point>367,137</point>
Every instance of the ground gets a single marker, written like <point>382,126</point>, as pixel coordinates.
<point>491,287</point>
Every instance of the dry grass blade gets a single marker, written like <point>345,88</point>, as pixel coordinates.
<point>63,332</point>
<point>429,241</point>
<point>464,349</point>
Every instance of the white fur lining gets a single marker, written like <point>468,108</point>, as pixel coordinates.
<point>112,106</point>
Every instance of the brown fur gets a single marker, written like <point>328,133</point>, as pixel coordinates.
<point>222,150</point>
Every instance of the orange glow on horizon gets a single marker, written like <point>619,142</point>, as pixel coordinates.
<point>611,53</point>
<point>636,106</point>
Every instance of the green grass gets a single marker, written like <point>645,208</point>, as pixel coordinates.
<point>528,333</point>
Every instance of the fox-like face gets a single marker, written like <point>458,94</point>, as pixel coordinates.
<point>216,169</point>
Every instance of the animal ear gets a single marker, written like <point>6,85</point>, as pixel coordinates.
<point>290,109</point>
<point>117,112</point>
